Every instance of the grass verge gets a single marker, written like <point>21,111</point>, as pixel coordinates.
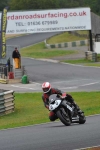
<point>78,61</point>
<point>30,110</point>
<point>39,51</point>
<point>84,62</point>
<point>64,37</point>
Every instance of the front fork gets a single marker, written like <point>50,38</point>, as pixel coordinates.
<point>66,110</point>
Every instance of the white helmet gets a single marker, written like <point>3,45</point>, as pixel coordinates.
<point>46,87</point>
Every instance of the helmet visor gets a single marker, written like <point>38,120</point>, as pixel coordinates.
<point>45,89</point>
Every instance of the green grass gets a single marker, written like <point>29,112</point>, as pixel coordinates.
<point>83,32</point>
<point>39,51</point>
<point>64,37</point>
<point>84,62</point>
<point>30,110</point>
<point>78,61</point>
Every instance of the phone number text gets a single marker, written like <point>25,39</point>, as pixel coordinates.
<point>36,23</point>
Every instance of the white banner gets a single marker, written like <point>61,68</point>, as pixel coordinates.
<point>48,20</point>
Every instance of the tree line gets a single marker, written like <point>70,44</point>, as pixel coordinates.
<point>50,4</point>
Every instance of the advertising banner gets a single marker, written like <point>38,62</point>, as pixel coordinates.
<point>3,33</point>
<point>48,20</point>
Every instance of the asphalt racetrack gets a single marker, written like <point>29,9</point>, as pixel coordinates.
<point>53,136</point>
<point>67,77</point>
<point>64,76</point>
<point>30,39</point>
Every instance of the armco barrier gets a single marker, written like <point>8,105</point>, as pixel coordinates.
<point>6,102</point>
<point>91,56</point>
<point>67,44</point>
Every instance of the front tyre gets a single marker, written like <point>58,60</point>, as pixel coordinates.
<point>64,117</point>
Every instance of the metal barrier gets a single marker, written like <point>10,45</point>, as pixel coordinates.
<point>4,69</point>
<point>91,56</point>
<point>8,74</point>
<point>6,102</point>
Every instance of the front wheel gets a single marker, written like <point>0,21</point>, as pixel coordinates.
<point>64,117</point>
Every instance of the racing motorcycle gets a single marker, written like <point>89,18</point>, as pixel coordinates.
<point>65,111</point>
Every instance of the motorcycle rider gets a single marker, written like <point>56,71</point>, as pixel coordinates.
<point>47,91</point>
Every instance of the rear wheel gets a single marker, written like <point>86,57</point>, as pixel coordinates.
<point>64,117</point>
<point>82,119</point>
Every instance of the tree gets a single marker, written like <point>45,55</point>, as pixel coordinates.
<point>52,4</point>
<point>3,3</point>
<point>33,4</point>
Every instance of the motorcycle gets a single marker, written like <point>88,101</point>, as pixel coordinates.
<point>65,111</point>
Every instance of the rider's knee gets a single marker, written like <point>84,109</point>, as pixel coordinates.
<point>53,117</point>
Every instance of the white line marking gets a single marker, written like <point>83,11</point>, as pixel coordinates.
<point>80,85</point>
<point>70,81</point>
<point>73,87</point>
<point>79,65</point>
<point>88,147</point>
<point>23,87</point>
<point>89,84</point>
<point>72,64</point>
<point>35,83</point>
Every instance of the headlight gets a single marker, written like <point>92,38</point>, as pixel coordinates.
<point>51,107</point>
<point>56,103</point>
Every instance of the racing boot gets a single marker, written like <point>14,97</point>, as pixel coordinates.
<point>77,108</point>
<point>70,99</point>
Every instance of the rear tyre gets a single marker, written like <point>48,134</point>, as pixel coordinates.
<point>64,117</point>
<point>82,119</point>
